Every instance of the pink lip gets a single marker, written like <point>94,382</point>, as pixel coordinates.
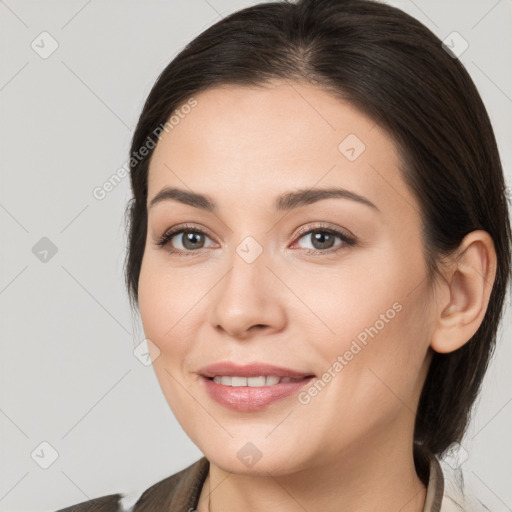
<point>248,398</point>
<point>250,370</point>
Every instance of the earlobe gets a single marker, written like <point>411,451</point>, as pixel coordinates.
<point>468,282</point>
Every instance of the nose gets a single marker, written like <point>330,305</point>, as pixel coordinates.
<point>249,300</point>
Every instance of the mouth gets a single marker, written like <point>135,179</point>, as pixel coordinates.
<point>253,386</point>
<point>252,371</point>
<point>254,381</point>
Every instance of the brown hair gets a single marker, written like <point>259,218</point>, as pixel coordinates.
<point>394,69</point>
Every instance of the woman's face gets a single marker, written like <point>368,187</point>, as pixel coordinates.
<point>322,285</point>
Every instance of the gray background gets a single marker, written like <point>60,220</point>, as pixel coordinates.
<point>68,373</point>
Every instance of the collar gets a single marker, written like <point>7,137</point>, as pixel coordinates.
<point>429,470</point>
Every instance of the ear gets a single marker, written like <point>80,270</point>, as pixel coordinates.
<point>465,291</point>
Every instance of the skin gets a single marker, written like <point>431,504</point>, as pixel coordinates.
<point>350,447</point>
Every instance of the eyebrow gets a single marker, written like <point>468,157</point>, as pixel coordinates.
<point>286,201</point>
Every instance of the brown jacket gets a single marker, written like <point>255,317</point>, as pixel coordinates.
<point>180,492</point>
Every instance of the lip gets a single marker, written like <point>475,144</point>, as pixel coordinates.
<point>250,370</point>
<point>248,398</point>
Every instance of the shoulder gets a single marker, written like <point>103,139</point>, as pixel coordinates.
<point>177,490</point>
<point>467,503</point>
<point>108,503</point>
<point>459,494</point>
<point>449,504</point>
<point>446,491</point>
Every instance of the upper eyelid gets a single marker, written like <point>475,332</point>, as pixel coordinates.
<point>325,226</point>
<point>180,228</point>
<point>306,229</point>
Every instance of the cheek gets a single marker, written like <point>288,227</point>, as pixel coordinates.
<point>152,301</point>
<point>163,303</point>
<point>377,316</point>
<point>166,302</point>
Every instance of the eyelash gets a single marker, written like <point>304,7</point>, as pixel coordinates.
<point>347,240</point>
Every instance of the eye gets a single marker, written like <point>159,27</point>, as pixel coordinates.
<point>183,240</point>
<point>323,238</point>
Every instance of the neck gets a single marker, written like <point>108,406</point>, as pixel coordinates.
<point>378,476</point>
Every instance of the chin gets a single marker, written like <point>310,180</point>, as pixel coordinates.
<point>256,459</point>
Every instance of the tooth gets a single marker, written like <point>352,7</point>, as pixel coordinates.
<point>239,381</point>
<point>256,381</point>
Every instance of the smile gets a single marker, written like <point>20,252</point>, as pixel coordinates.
<point>262,380</point>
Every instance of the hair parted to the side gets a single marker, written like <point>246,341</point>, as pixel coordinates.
<point>393,69</point>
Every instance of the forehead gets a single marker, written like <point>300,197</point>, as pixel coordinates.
<point>254,142</point>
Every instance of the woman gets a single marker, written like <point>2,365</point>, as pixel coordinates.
<point>319,248</point>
